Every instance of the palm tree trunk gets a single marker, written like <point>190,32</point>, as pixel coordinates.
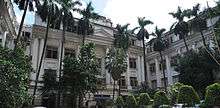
<point>145,69</point>
<point>41,59</point>
<point>164,76</point>
<point>61,61</point>
<point>184,40</point>
<point>21,24</point>
<point>119,87</point>
<point>203,37</point>
<point>114,90</point>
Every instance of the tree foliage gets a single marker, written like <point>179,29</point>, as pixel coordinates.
<point>130,102</point>
<point>119,102</point>
<point>144,99</point>
<point>196,69</point>
<point>15,67</point>
<point>160,98</point>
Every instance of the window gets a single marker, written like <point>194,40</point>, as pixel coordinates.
<point>174,61</point>
<point>152,68</point>
<point>133,81</point>
<point>164,65</point>
<point>175,79</point>
<point>51,52</point>
<point>52,73</point>
<point>132,42</point>
<point>132,63</point>
<point>122,82</point>
<point>162,81</point>
<point>70,52</point>
<point>99,60</point>
<point>154,84</point>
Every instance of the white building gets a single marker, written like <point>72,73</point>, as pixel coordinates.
<point>7,24</point>
<point>103,39</point>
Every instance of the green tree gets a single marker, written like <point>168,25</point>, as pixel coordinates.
<point>174,91</point>
<point>196,69</point>
<point>15,67</point>
<point>144,99</point>
<point>116,64</point>
<point>67,7</point>
<point>46,11</point>
<point>85,26</point>
<point>159,44</point>
<point>131,102</point>
<point>23,5</point>
<point>122,37</point>
<point>142,35</point>
<point>119,102</point>
<point>181,27</point>
<point>188,96</point>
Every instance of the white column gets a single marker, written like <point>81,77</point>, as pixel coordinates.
<point>34,57</point>
<point>59,49</point>
<point>148,73</point>
<point>108,76</point>
<point>139,71</point>
<point>169,72</point>
<point>158,73</point>
<point>142,68</point>
<point>4,38</point>
<point>128,75</point>
<point>40,52</point>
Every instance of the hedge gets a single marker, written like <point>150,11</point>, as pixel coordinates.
<point>144,99</point>
<point>160,98</point>
<point>131,102</point>
<point>212,96</point>
<point>188,96</point>
<point>119,101</point>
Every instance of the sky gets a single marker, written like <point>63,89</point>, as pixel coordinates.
<point>127,11</point>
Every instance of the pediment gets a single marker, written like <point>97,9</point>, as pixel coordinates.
<point>103,32</point>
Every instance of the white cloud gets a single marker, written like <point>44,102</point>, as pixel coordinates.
<point>127,11</point>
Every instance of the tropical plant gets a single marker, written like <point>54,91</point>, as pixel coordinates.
<point>130,102</point>
<point>67,7</point>
<point>160,98</point>
<point>116,63</point>
<point>119,102</point>
<point>188,96</point>
<point>46,11</point>
<point>159,44</point>
<point>85,26</point>
<point>122,37</point>
<point>15,67</point>
<point>181,27</point>
<point>142,35</point>
<point>23,5</point>
<point>212,96</point>
<point>144,99</point>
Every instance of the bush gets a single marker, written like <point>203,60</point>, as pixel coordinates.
<point>212,96</point>
<point>131,102</point>
<point>119,102</point>
<point>174,91</point>
<point>144,99</point>
<point>188,96</point>
<point>160,98</point>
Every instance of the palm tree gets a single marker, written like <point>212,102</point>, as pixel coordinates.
<point>46,11</point>
<point>198,23</point>
<point>116,64</point>
<point>84,24</point>
<point>122,37</point>
<point>159,45</point>
<point>67,7</point>
<point>23,5</point>
<point>181,27</point>
<point>142,35</point>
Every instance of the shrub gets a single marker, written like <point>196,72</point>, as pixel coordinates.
<point>144,99</point>
<point>131,102</point>
<point>174,91</point>
<point>119,101</point>
<point>160,98</point>
<point>188,96</point>
<point>212,96</point>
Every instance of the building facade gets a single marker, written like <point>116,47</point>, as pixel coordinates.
<point>7,24</point>
<point>103,40</point>
<point>176,47</point>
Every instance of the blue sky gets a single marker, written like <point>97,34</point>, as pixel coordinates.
<point>127,11</point>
